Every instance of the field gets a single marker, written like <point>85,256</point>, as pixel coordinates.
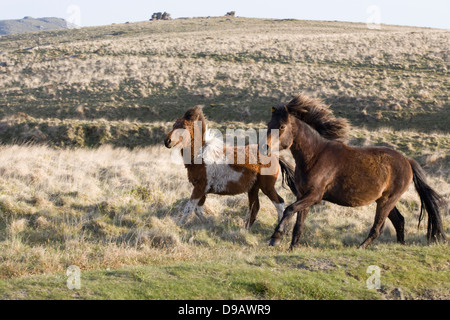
<point>86,181</point>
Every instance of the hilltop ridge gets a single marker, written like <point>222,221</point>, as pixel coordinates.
<point>30,24</point>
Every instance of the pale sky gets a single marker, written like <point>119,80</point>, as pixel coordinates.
<point>424,13</point>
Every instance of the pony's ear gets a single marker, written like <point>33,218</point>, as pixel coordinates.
<point>286,108</point>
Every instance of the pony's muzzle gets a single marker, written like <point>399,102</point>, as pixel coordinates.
<point>168,143</point>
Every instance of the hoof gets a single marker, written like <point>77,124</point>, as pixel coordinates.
<point>249,223</point>
<point>182,221</point>
<point>274,242</point>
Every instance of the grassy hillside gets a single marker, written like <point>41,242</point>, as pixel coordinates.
<point>151,71</point>
<point>68,197</point>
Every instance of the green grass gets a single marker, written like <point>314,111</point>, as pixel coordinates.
<point>306,273</point>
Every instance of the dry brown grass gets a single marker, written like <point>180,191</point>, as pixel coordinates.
<point>153,72</point>
<point>112,207</point>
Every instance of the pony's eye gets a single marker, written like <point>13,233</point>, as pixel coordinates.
<point>282,127</point>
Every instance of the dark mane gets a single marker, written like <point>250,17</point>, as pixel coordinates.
<point>196,114</point>
<point>318,116</point>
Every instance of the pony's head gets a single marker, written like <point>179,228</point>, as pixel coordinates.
<point>185,129</point>
<point>280,121</point>
<point>312,112</point>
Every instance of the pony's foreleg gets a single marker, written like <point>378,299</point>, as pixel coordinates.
<point>190,206</point>
<point>195,204</point>
<point>199,209</point>
<point>301,205</point>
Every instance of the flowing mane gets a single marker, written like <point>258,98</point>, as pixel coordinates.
<point>318,116</point>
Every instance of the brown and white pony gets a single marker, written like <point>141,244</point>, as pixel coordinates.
<point>212,175</point>
<point>328,169</point>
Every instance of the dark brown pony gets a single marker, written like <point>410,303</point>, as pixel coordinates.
<point>216,177</point>
<point>328,169</point>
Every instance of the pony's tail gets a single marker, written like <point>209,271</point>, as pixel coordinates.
<point>431,200</point>
<point>288,175</point>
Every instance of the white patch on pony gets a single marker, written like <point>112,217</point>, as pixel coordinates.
<point>218,176</point>
<point>280,209</point>
<point>218,173</point>
<point>190,206</point>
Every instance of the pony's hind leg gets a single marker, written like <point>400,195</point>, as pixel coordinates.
<point>280,209</point>
<point>399,224</point>
<point>298,228</point>
<point>384,207</point>
<point>253,206</point>
<point>268,188</point>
